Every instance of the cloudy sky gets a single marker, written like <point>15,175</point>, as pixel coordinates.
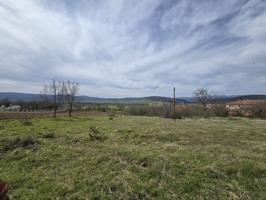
<point>124,48</point>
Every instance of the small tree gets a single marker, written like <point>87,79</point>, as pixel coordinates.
<point>69,91</point>
<point>51,93</point>
<point>202,96</point>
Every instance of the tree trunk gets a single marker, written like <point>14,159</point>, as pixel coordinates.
<point>55,106</point>
<point>70,110</point>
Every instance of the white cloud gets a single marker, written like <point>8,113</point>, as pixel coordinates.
<point>128,48</point>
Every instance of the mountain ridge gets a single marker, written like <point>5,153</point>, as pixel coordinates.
<point>16,96</point>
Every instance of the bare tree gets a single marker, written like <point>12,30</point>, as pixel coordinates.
<point>69,91</point>
<point>51,93</point>
<point>202,96</point>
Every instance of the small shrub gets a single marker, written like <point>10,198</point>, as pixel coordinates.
<point>26,142</point>
<point>161,110</point>
<point>179,114</point>
<point>220,110</point>
<point>103,109</point>
<point>237,113</point>
<point>189,111</point>
<point>144,162</point>
<point>112,114</point>
<point>48,135</point>
<point>233,118</point>
<point>196,111</point>
<point>185,112</point>
<point>259,111</point>
<point>95,134</point>
<point>26,121</point>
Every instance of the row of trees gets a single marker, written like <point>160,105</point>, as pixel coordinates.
<point>57,92</point>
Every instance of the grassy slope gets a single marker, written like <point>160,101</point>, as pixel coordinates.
<point>142,158</point>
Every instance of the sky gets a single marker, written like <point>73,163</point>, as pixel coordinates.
<point>133,48</point>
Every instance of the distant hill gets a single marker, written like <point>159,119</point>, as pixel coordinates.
<point>27,97</point>
<point>226,99</point>
<point>12,96</point>
<point>166,99</point>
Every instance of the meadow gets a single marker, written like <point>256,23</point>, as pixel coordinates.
<point>126,157</point>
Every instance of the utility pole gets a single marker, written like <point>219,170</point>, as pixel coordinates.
<point>174,104</point>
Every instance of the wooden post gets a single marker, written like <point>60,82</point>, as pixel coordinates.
<point>174,104</point>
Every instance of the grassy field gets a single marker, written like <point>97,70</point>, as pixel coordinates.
<point>134,158</point>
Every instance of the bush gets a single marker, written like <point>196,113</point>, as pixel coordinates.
<point>111,118</point>
<point>26,120</point>
<point>220,110</point>
<point>26,142</point>
<point>27,123</point>
<point>237,113</point>
<point>95,134</point>
<point>161,110</point>
<point>186,110</point>
<point>48,135</point>
<point>259,111</point>
<point>193,111</point>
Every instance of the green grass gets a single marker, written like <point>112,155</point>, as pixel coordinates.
<point>138,158</point>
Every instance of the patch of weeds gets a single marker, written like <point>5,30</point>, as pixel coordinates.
<point>144,162</point>
<point>112,114</point>
<point>64,119</point>
<point>26,122</point>
<point>110,118</point>
<point>76,140</point>
<point>26,142</point>
<point>48,135</point>
<point>233,118</point>
<point>96,135</point>
<point>2,127</point>
<point>125,130</point>
<point>160,137</point>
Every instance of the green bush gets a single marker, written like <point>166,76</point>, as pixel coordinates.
<point>26,120</point>
<point>193,111</point>
<point>25,142</point>
<point>110,118</point>
<point>95,134</point>
<point>27,123</point>
<point>259,110</point>
<point>49,135</point>
<point>220,110</point>
<point>161,110</point>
